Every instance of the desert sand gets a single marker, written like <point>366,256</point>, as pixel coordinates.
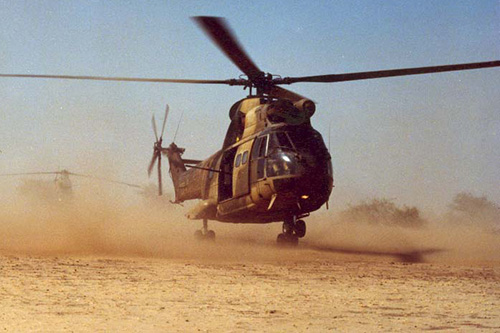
<point>139,269</point>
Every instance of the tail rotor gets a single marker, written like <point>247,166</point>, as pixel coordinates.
<point>157,150</point>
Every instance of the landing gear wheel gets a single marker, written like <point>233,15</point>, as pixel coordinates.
<point>281,239</point>
<point>198,234</point>
<point>287,228</point>
<point>210,235</point>
<point>293,229</point>
<point>300,228</point>
<point>287,240</point>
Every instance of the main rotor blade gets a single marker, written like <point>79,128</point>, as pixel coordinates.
<point>230,82</point>
<point>103,179</point>
<point>220,33</point>
<point>164,122</point>
<point>152,163</point>
<point>388,73</point>
<point>153,122</point>
<point>31,173</point>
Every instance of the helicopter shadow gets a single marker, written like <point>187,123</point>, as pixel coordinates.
<point>410,256</point>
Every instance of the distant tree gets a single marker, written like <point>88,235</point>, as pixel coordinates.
<point>469,209</point>
<point>383,212</point>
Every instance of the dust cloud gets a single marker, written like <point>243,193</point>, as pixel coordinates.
<point>436,242</point>
<point>97,221</point>
<point>100,221</point>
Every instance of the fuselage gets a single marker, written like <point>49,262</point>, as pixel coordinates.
<point>268,170</point>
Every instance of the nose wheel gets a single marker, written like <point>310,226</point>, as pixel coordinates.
<point>293,229</point>
<point>204,233</point>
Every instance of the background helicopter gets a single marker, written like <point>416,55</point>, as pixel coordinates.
<point>285,105</point>
<point>62,182</point>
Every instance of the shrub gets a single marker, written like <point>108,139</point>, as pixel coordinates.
<point>471,210</point>
<point>383,212</point>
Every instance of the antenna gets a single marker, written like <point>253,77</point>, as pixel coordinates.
<point>329,136</point>
<point>178,125</point>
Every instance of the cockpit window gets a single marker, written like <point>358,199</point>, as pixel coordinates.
<point>263,147</point>
<point>280,140</point>
<point>259,147</point>
<point>258,155</point>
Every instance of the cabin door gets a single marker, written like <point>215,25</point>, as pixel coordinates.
<point>241,181</point>
<point>226,175</point>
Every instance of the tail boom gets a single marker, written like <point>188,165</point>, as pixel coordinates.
<point>187,182</point>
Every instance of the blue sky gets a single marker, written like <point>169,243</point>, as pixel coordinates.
<point>418,140</point>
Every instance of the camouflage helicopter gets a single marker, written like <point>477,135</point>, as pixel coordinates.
<point>273,165</point>
<point>63,184</point>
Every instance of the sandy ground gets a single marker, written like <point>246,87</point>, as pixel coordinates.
<point>272,290</point>
<point>306,291</point>
<point>87,270</point>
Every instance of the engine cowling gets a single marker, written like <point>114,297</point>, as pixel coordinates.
<point>307,106</point>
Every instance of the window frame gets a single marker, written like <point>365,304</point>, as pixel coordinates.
<point>237,161</point>
<point>244,157</point>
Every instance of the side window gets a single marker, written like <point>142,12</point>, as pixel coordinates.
<point>258,153</point>
<point>244,158</point>
<point>255,148</point>
<point>263,146</point>
<point>260,168</point>
<point>238,161</point>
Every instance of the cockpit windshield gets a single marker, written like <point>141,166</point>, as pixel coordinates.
<point>282,159</point>
<point>281,163</point>
<point>308,140</point>
<point>288,153</point>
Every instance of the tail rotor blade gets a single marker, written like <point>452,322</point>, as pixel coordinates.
<point>152,163</point>
<point>153,121</point>
<point>164,122</point>
<point>160,189</point>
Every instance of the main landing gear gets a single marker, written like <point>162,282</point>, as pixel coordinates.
<point>293,229</point>
<point>204,233</point>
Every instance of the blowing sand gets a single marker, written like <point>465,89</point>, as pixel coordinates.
<point>95,266</point>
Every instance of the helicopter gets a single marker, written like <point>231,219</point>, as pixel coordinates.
<point>273,165</point>
<point>63,184</point>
